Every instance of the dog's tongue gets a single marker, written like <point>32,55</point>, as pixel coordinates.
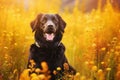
<point>49,36</point>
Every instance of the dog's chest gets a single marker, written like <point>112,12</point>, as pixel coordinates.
<point>44,54</point>
<point>48,53</point>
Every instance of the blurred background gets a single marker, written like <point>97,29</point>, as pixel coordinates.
<point>83,5</point>
<point>91,37</point>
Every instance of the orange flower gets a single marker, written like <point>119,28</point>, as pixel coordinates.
<point>44,66</point>
<point>54,72</point>
<point>66,66</point>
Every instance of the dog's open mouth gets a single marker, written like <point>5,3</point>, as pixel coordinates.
<point>49,36</point>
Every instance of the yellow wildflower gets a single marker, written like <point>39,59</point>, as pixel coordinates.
<point>102,63</point>
<point>103,49</point>
<point>100,71</point>
<point>33,75</point>
<point>37,70</point>
<point>58,68</point>
<point>108,69</point>
<point>5,47</point>
<point>15,70</point>
<point>94,68</point>
<point>91,62</point>
<point>36,78</point>
<point>25,75</point>
<point>77,74</point>
<point>86,62</point>
<point>42,77</point>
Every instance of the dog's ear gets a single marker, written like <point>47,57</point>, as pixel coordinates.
<point>36,23</point>
<point>62,23</point>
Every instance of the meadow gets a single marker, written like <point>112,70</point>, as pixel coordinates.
<point>92,39</point>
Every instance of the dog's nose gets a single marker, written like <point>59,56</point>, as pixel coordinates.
<point>50,26</point>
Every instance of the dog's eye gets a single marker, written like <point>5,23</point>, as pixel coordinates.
<point>54,20</point>
<point>44,20</point>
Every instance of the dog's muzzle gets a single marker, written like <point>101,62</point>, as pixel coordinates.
<point>49,33</point>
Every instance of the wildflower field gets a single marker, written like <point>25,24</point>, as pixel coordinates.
<point>92,39</point>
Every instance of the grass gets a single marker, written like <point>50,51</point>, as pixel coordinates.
<point>92,39</point>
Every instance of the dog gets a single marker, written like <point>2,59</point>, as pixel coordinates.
<point>49,29</point>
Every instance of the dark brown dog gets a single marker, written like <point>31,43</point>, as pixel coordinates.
<point>49,29</point>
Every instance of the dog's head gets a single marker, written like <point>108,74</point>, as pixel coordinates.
<point>49,25</point>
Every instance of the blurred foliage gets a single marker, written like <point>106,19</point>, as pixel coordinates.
<point>92,39</point>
